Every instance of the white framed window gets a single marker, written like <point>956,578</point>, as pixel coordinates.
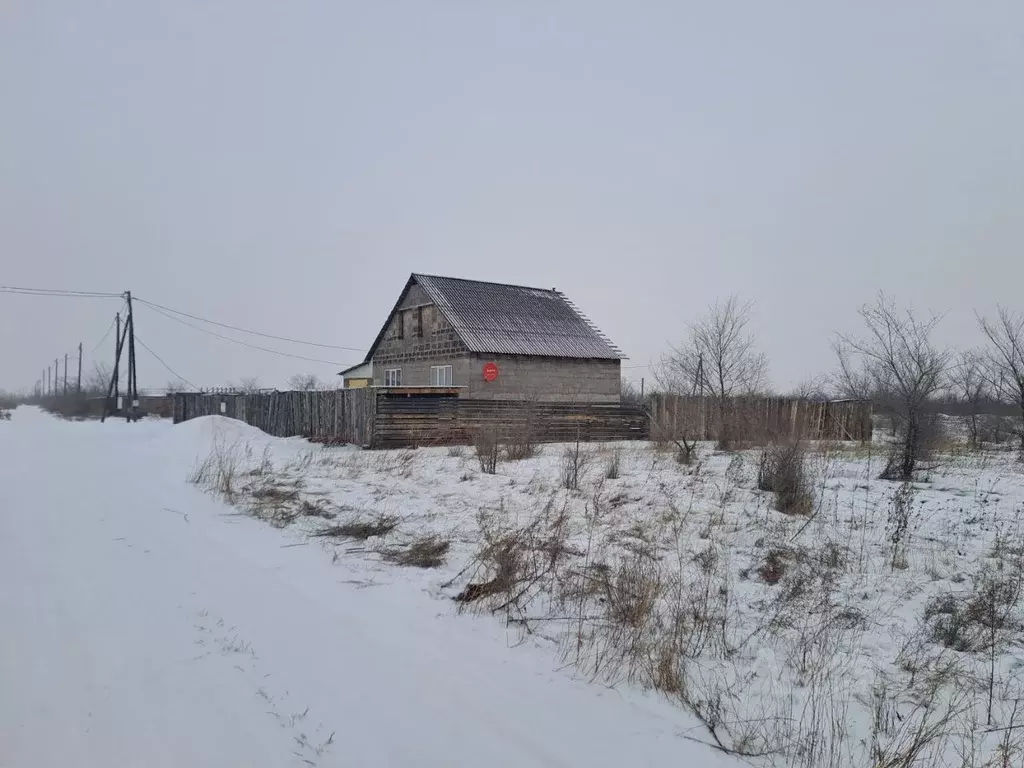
<point>440,375</point>
<point>392,377</point>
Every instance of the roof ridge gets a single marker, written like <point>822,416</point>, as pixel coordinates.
<point>486,282</point>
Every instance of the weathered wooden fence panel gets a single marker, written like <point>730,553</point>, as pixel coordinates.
<point>448,420</point>
<point>376,419</point>
<point>382,419</point>
<point>759,418</point>
<point>338,416</point>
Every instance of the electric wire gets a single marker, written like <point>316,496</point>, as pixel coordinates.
<point>154,305</point>
<point>174,373</point>
<point>239,341</point>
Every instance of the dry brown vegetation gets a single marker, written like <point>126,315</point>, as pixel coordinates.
<point>643,571</point>
<point>381,525</point>
<point>423,552</point>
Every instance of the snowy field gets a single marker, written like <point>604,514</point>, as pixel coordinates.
<point>204,594</point>
<point>145,623</point>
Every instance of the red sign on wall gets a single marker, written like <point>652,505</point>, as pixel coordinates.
<point>490,372</point>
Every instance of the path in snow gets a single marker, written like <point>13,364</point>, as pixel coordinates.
<point>144,624</point>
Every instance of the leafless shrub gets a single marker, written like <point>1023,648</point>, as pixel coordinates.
<point>5,415</point>
<point>381,525</point>
<point>900,524</point>
<point>425,552</point>
<point>782,471</point>
<point>456,451</point>
<point>515,562</point>
<point>831,556</point>
<point>613,468</point>
<point>574,465</point>
<point>488,449</point>
<point>971,622</point>
<point>707,559</point>
<point>914,727</point>
<point>520,439</point>
<point>951,626</point>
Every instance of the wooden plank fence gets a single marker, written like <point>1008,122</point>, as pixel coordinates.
<point>338,416</point>
<point>379,419</point>
<point>756,419</point>
<point>376,418</point>
<point>449,420</point>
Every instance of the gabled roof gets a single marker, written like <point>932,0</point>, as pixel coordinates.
<point>495,318</point>
<point>354,368</point>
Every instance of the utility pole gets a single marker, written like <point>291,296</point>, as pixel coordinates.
<point>133,377</point>
<point>117,358</point>
<point>65,374</point>
<point>128,334</point>
<point>56,375</point>
<point>79,387</point>
<point>42,385</point>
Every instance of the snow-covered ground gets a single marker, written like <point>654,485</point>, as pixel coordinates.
<point>144,622</point>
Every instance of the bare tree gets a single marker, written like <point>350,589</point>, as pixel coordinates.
<point>630,393</point>
<point>852,380</point>
<point>249,385</point>
<point>898,357</point>
<point>719,359</point>
<point>813,388</point>
<point>305,382</point>
<point>1006,359</point>
<point>98,382</point>
<point>969,385</point>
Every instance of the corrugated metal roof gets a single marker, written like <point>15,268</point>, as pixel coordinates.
<point>495,318</point>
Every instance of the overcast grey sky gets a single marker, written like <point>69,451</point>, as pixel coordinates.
<point>284,166</point>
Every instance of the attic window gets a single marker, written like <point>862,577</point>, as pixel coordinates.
<point>419,322</point>
<point>400,325</point>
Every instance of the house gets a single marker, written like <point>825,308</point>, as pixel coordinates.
<point>359,375</point>
<point>491,341</point>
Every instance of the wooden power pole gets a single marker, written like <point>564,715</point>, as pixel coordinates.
<point>117,358</point>
<point>114,388</point>
<point>78,388</point>
<point>65,374</point>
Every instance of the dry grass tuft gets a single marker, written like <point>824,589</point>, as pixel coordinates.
<point>362,530</point>
<point>425,552</point>
<point>316,509</point>
<point>775,565</point>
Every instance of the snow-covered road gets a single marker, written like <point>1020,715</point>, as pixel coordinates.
<point>142,623</point>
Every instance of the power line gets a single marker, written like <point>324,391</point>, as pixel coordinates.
<point>154,305</point>
<point>238,341</point>
<point>107,332</point>
<point>57,292</point>
<point>165,365</point>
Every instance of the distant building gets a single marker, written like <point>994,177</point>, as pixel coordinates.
<point>360,375</point>
<point>491,341</point>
